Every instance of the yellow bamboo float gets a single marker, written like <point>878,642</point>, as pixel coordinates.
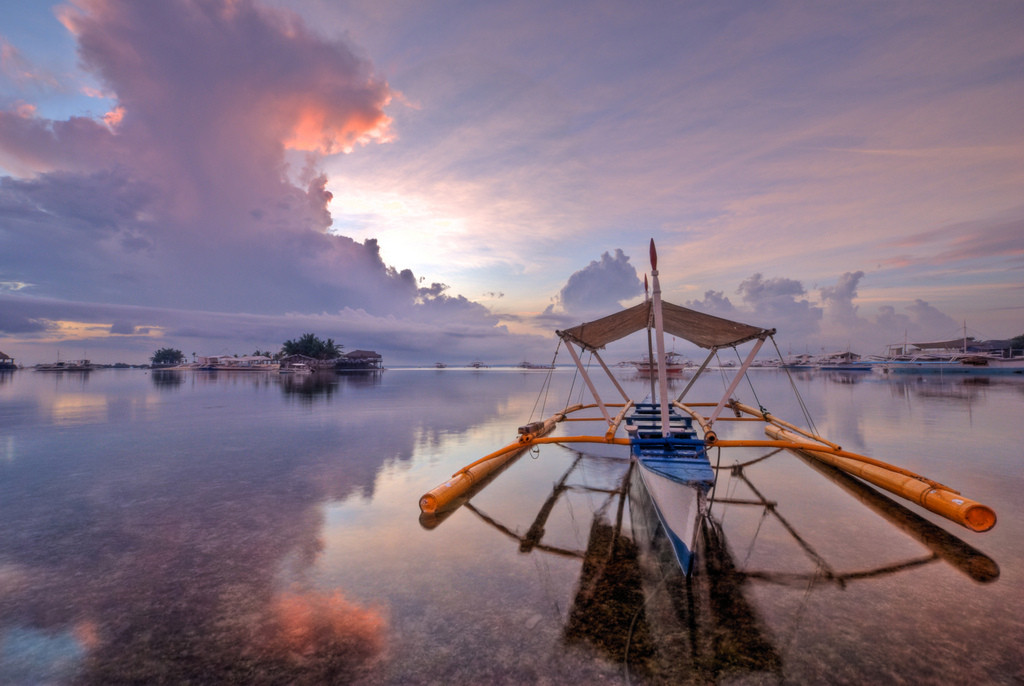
<point>944,545</point>
<point>447,494</point>
<point>928,494</point>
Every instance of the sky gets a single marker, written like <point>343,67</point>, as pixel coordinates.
<point>453,181</point>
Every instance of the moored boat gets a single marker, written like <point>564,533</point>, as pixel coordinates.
<point>531,365</point>
<point>669,437</point>
<point>675,364</point>
<point>1013,365</point>
<point>67,366</point>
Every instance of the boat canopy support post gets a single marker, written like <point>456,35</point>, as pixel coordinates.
<point>589,382</point>
<point>693,380</point>
<point>736,380</point>
<point>625,396</point>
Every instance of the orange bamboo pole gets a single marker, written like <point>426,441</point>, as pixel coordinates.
<point>709,435</point>
<point>462,481</point>
<point>927,494</point>
<point>768,417</point>
<point>614,426</point>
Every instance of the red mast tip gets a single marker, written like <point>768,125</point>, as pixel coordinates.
<point>654,256</point>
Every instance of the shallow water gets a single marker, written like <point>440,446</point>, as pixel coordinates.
<point>254,528</point>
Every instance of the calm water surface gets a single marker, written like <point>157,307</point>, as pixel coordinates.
<point>259,529</point>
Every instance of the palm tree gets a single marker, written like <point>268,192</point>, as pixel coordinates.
<point>311,346</point>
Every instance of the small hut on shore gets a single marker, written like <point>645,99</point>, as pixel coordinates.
<point>360,361</point>
<point>7,362</point>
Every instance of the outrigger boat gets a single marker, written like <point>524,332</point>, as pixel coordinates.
<point>669,437</point>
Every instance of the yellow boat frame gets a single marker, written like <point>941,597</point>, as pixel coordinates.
<point>929,494</point>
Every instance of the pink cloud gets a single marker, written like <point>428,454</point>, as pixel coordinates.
<point>182,199</point>
<point>205,210</point>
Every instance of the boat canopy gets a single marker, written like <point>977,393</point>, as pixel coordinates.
<point>704,330</point>
<point>955,344</point>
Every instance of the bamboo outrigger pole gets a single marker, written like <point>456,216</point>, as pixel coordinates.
<point>928,494</point>
<point>447,495</point>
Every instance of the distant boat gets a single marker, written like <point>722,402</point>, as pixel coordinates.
<point>296,368</point>
<point>675,364</point>
<point>799,361</point>
<point>477,365</point>
<point>67,366</point>
<point>1014,365</point>
<point>440,365</point>
<point>530,365</point>
<point>845,361</point>
<point>949,364</point>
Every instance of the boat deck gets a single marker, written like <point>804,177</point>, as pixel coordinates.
<point>680,456</point>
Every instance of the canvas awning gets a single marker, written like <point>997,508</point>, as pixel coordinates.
<point>955,344</point>
<point>704,330</point>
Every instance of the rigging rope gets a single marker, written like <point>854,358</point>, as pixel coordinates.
<point>572,384</point>
<point>749,382</point>
<point>545,388</point>
<point>750,549</point>
<point>796,391</point>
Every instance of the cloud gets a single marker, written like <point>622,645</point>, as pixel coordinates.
<point>833,321</point>
<point>838,300</point>
<point>452,327</point>
<point>204,192</point>
<point>779,300</point>
<point>1000,240</point>
<point>601,286</point>
<point>17,319</point>
<point>716,303</point>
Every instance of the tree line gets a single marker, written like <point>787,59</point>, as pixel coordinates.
<point>307,344</point>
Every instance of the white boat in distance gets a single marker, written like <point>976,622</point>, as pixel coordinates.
<point>675,365</point>
<point>67,366</point>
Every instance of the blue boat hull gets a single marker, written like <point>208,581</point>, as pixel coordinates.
<point>675,472</point>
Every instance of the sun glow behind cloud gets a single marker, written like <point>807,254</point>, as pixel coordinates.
<point>72,331</point>
<point>415,230</point>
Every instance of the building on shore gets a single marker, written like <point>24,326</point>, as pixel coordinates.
<point>360,361</point>
<point>6,362</point>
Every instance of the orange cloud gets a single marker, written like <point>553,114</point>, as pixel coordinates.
<point>319,129</point>
<point>114,117</point>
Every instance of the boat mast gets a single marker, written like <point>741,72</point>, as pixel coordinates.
<point>659,335</point>
<point>650,351</point>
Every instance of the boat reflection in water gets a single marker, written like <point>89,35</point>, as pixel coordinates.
<point>635,607</point>
<point>702,627</point>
